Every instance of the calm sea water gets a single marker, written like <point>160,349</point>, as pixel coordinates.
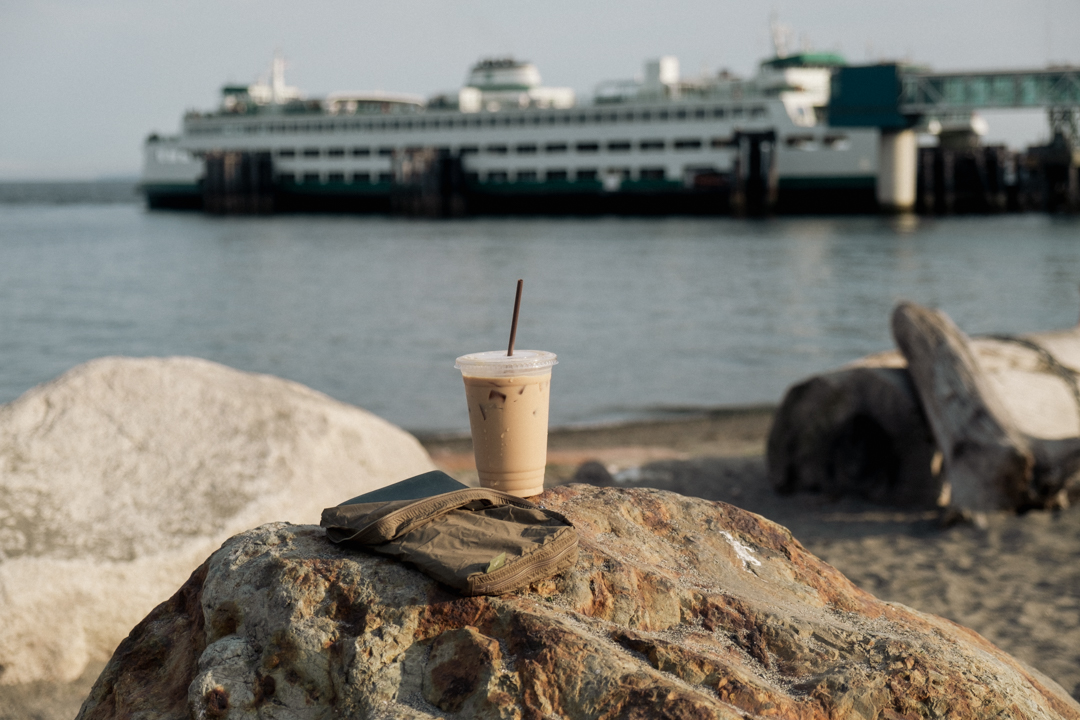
<point>647,315</point>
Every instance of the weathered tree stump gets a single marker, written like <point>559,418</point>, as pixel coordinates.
<point>1005,412</point>
<point>855,431</point>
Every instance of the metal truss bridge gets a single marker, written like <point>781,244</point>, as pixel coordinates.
<point>892,96</point>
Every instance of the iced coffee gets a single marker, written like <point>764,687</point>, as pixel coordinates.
<point>508,414</point>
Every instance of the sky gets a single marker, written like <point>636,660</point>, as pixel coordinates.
<point>82,82</point>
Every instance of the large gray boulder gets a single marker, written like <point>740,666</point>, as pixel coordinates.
<point>118,478</point>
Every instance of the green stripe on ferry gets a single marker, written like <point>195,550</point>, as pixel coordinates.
<point>571,187</point>
<point>335,188</point>
<point>171,189</point>
<point>844,182</point>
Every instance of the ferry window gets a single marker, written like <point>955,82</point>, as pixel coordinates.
<point>801,142</point>
<point>652,173</point>
<point>598,117</point>
<point>336,177</point>
<point>421,124</point>
<point>718,112</point>
<point>311,177</point>
<point>619,146</point>
<point>336,152</point>
<point>526,149</point>
<point>286,152</point>
<point>361,177</point>
<point>286,177</point>
<point>567,119</point>
<point>648,145</point>
<point>497,176</point>
<point>662,115</point>
<point>699,113</point>
<point>551,119</point>
<point>759,111</point>
<point>386,151</point>
<point>496,149</point>
<point>588,147</point>
<point>680,115</point>
<point>722,142</point>
<point>386,177</point>
<point>506,121</point>
<point>468,150</point>
<point>583,118</point>
<point>556,175</point>
<point>586,174</point>
<point>394,125</point>
<point>688,144</point>
<point>555,147</point>
<point>361,151</point>
<point>536,119</point>
<point>736,112</point>
<point>526,176</point>
<point>836,142</point>
<point>311,152</point>
<point>628,115</point>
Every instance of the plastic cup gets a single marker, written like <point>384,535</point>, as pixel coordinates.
<point>508,414</point>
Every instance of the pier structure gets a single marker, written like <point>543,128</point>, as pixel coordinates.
<point>899,100</point>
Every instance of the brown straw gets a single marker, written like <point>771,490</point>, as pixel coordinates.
<point>513,325</point>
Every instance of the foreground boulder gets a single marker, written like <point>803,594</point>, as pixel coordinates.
<point>677,608</point>
<point>121,476</point>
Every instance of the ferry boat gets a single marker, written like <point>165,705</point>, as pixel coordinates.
<point>505,143</point>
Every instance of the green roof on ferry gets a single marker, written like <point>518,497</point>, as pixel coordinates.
<point>807,59</point>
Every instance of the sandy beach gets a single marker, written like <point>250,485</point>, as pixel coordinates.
<point>1016,581</point>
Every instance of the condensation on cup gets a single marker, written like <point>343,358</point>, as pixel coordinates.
<point>508,400</point>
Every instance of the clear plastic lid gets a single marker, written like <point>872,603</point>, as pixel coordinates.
<point>496,363</point>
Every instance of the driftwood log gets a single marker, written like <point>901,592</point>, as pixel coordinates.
<point>856,431</point>
<point>1004,412</point>
<point>987,460</point>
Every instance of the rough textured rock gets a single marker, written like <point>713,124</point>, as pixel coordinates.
<point>678,608</point>
<point>121,476</point>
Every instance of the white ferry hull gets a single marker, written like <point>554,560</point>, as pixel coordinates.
<point>663,155</point>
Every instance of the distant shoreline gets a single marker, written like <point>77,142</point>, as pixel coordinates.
<point>670,419</point>
<point>726,432</point>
